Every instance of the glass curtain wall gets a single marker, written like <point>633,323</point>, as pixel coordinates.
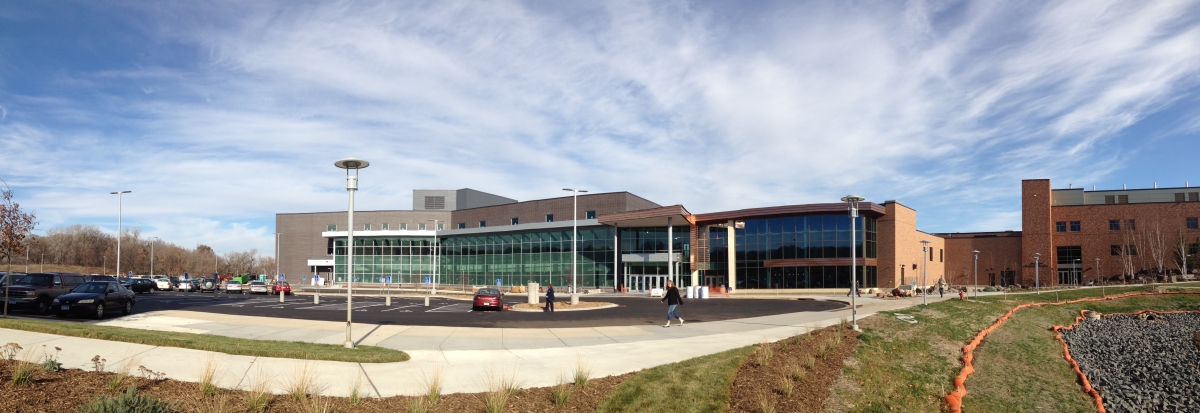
<point>534,256</point>
<point>796,237</point>
<point>406,259</point>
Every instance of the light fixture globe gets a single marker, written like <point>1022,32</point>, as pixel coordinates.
<point>852,198</point>
<point>352,163</point>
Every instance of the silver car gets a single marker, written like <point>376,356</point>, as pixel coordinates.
<point>258,287</point>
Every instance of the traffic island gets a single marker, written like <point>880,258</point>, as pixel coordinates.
<point>565,306</point>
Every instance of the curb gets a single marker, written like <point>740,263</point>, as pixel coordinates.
<point>610,305</point>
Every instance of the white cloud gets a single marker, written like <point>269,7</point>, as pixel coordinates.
<point>715,106</point>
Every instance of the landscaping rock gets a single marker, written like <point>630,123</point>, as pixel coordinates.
<point>1140,363</point>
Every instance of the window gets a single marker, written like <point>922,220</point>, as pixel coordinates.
<point>1075,227</point>
<point>441,227</point>
<point>462,225</point>
<point>1131,224</point>
<point>930,254</point>
<point>331,227</point>
<point>387,227</point>
<point>513,221</point>
<point>549,217</point>
<point>421,227</point>
<point>1192,223</point>
<point>1193,196</point>
<point>404,227</point>
<point>1115,250</point>
<point>482,224</point>
<point>941,255</point>
<point>1122,199</point>
<point>1114,225</point>
<point>366,227</point>
<point>1110,199</point>
<point>1060,226</point>
<point>1132,249</point>
<point>1180,197</point>
<point>590,215</point>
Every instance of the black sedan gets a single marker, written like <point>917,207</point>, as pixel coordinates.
<point>94,299</point>
<point>142,285</point>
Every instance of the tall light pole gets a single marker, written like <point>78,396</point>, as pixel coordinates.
<point>277,234</point>
<point>437,268</point>
<point>1037,278</point>
<point>351,186</point>
<point>1078,272</point>
<point>575,229</point>
<point>853,201</point>
<point>154,241</point>
<point>976,252</point>
<point>1098,275</point>
<point>924,271</point>
<point>120,207</point>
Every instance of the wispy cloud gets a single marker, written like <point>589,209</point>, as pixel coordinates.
<point>242,107</point>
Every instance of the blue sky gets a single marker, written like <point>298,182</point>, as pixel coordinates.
<point>218,115</point>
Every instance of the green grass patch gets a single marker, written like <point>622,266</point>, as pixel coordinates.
<point>910,367</point>
<point>697,385</point>
<point>227,345</point>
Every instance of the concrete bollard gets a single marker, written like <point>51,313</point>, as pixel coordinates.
<point>532,290</point>
<point>427,301</point>
<point>281,294</point>
<point>575,299</point>
<point>387,302</point>
<point>317,298</point>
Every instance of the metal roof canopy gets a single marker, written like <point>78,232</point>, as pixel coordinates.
<point>656,217</point>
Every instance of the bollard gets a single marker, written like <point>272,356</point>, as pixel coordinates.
<point>317,298</point>
<point>281,294</point>
<point>575,299</point>
<point>387,301</point>
<point>427,301</point>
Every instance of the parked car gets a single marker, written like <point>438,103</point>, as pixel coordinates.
<point>208,284</point>
<point>187,285</point>
<point>95,277</point>
<point>142,285</point>
<point>234,286</point>
<point>258,287</point>
<point>487,298</point>
<point>94,299</point>
<point>283,287</point>
<point>162,283</point>
<point>38,290</point>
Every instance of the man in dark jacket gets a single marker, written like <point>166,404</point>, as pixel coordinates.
<point>550,297</point>
<point>673,300</point>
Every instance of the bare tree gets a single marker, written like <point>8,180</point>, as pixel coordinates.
<point>15,226</point>
<point>1126,252</point>
<point>1156,243</point>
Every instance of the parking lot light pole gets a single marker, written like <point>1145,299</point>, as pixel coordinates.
<point>351,186</point>
<point>1037,278</point>
<point>437,267</point>
<point>277,279</point>
<point>120,209</point>
<point>924,271</point>
<point>575,229</point>
<point>1098,277</point>
<point>1078,273</point>
<point>853,201</point>
<point>153,241</point>
<point>976,273</point>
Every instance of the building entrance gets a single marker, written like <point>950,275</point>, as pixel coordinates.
<point>643,283</point>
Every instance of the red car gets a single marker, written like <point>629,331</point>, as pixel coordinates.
<point>487,298</point>
<point>282,287</point>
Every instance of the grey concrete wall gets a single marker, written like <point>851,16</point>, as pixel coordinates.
<point>301,238</point>
<point>420,194</point>
<point>469,198</point>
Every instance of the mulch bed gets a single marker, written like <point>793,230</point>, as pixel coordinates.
<point>760,381</point>
<point>67,390</point>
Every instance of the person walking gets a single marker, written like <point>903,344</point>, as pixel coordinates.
<point>550,297</point>
<point>673,300</point>
<point>854,291</point>
<point>941,290</point>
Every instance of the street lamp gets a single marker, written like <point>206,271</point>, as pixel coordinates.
<point>120,207</point>
<point>853,201</point>
<point>575,229</point>
<point>155,241</point>
<point>1037,278</point>
<point>924,272</point>
<point>1078,273</point>
<point>277,280</point>
<point>976,252</point>
<point>437,270</point>
<point>351,186</point>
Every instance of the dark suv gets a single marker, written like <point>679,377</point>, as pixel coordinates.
<point>37,290</point>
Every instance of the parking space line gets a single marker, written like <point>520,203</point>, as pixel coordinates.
<point>397,308</point>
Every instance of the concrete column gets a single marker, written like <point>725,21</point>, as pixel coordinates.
<point>616,257</point>
<point>732,235</point>
<point>670,250</point>
<point>531,290</point>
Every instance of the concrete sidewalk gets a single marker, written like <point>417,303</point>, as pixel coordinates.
<point>537,357</point>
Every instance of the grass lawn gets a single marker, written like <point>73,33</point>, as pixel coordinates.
<point>1020,367</point>
<point>697,385</point>
<point>228,345</point>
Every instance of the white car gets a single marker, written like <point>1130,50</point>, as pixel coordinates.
<point>258,287</point>
<point>234,287</point>
<point>161,282</point>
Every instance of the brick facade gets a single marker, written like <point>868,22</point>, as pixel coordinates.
<point>1036,226</point>
<point>900,255</point>
<point>998,252</point>
<point>1153,220</point>
<point>530,212</point>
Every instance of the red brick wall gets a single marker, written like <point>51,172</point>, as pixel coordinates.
<point>1036,227</point>
<point>998,252</point>
<point>1096,240</point>
<point>900,247</point>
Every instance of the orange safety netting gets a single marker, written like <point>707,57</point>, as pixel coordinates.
<point>954,399</point>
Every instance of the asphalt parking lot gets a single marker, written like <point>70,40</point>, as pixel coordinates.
<point>452,312</point>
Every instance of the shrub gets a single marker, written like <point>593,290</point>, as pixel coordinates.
<point>50,362</point>
<point>127,401</point>
<point>10,351</point>
<point>561,393</point>
<point>583,373</point>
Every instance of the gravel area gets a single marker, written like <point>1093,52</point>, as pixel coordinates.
<point>1146,363</point>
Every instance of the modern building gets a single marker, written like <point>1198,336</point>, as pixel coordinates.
<point>1072,235</point>
<point>469,237</point>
